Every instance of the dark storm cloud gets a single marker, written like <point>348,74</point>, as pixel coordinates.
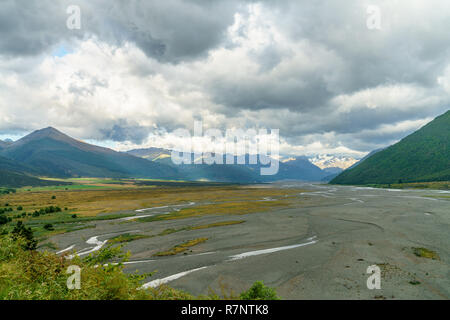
<point>170,30</point>
<point>30,27</point>
<point>406,50</point>
<point>122,131</point>
<point>310,68</point>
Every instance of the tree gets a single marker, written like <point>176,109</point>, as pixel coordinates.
<point>49,227</point>
<point>3,220</point>
<point>20,231</point>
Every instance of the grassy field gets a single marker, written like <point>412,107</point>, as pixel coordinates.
<point>124,238</point>
<point>180,247</point>
<point>436,185</point>
<point>88,200</point>
<point>88,203</point>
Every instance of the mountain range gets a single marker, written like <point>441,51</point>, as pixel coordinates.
<point>324,161</point>
<point>299,168</point>
<point>420,157</point>
<point>51,153</point>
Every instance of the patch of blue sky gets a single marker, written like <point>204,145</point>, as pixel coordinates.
<point>61,51</point>
<point>11,136</point>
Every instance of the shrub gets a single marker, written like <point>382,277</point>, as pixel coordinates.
<point>19,208</point>
<point>36,275</point>
<point>20,231</point>
<point>259,292</point>
<point>3,220</point>
<point>49,227</point>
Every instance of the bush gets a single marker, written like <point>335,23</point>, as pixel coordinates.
<point>19,208</point>
<point>20,231</point>
<point>7,191</point>
<point>259,292</point>
<point>3,220</point>
<point>74,216</point>
<point>53,197</point>
<point>49,227</point>
<point>36,275</point>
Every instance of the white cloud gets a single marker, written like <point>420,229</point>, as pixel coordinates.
<point>310,70</point>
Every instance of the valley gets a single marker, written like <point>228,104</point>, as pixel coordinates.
<point>308,241</point>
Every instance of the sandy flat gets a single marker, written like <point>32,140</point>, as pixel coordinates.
<point>320,248</point>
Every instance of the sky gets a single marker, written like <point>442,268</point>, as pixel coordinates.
<point>335,77</point>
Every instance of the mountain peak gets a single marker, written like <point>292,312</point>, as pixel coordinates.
<point>48,132</point>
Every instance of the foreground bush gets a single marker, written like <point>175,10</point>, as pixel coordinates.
<point>28,274</point>
<point>259,292</point>
<point>33,275</point>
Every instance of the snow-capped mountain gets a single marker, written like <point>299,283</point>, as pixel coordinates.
<point>332,161</point>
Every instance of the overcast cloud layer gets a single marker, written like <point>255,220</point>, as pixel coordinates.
<point>137,70</point>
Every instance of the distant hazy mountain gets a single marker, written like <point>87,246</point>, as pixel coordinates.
<point>151,153</point>
<point>53,153</point>
<point>4,144</point>
<point>331,173</point>
<point>421,156</point>
<point>198,171</point>
<point>299,168</point>
<point>333,170</point>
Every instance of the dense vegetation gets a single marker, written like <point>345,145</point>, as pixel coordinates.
<point>28,274</point>
<point>421,157</point>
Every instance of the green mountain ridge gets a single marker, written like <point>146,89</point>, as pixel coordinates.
<point>52,153</point>
<point>16,175</point>
<point>422,156</point>
<point>11,179</point>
